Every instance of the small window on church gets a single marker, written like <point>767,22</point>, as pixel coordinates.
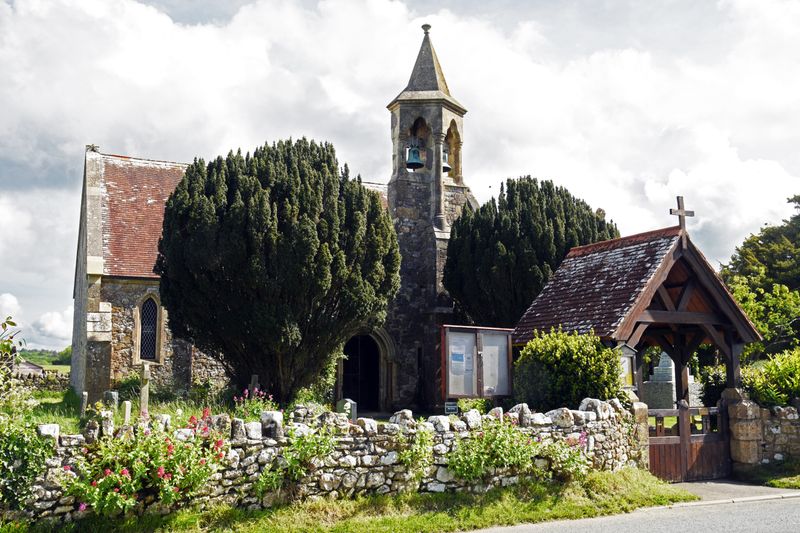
<point>149,326</point>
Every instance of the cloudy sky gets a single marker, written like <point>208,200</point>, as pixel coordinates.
<point>626,103</point>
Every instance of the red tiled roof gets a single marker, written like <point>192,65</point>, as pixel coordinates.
<point>134,194</point>
<point>596,285</point>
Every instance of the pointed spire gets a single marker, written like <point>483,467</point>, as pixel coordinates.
<point>427,74</point>
<point>427,79</point>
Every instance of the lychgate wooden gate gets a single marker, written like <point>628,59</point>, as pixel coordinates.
<point>689,443</point>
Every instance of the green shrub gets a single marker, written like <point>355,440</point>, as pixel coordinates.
<point>114,474</point>
<point>417,456</point>
<point>482,405</point>
<point>501,445</point>
<point>250,405</point>
<point>777,381</point>
<point>713,380</point>
<point>559,369</point>
<point>22,458</point>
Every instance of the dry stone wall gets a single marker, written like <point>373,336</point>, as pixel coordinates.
<point>762,436</point>
<point>366,455</point>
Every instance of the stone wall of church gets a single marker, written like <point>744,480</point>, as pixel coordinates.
<point>178,365</point>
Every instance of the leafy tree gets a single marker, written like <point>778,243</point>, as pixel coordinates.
<point>271,261</point>
<point>559,369</point>
<point>772,256</point>
<point>500,257</point>
<point>774,312</point>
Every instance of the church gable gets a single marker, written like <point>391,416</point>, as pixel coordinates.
<point>134,193</point>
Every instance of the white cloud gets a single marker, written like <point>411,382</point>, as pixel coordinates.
<point>54,326</point>
<point>709,111</point>
<point>9,306</point>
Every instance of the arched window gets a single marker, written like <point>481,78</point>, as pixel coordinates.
<point>149,330</point>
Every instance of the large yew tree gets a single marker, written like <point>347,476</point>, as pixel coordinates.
<point>271,261</point>
<point>500,257</point>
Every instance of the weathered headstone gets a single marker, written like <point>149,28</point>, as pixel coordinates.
<point>84,403</point>
<point>349,408</point>
<point>144,395</point>
<point>126,409</point>
<point>253,384</point>
<point>111,399</point>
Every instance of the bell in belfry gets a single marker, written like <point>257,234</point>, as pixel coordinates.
<point>446,162</point>
<point>413,160</point>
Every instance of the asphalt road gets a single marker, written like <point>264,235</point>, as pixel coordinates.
<point>769,516</point>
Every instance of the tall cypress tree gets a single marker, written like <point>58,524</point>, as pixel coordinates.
<point>271,261</point>
<point>500,257</point>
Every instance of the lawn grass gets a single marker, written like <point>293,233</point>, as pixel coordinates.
<point>782,475</point>
<point>63,408</point>
<point>601,493</point>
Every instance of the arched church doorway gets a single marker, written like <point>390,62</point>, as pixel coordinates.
<point>361,372</point>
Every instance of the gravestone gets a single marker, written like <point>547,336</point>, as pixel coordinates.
<point>349,408</point>
<point>111,399</point>
<point>659,392</point>
<point>144,394</point>
<point>126,409</point>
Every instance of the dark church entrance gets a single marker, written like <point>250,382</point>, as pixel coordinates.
<point>361,372</point>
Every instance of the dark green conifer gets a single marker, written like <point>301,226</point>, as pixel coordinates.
<point>500,257</point>
<point>271,261</point>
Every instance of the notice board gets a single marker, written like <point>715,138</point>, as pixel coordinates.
<point>476,362</point>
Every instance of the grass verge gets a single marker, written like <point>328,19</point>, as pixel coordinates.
<point>782,475</point>
<point>601,493</point>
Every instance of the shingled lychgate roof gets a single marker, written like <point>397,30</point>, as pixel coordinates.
<point>597,285</point>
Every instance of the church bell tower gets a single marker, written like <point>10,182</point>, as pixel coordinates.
<point>426,194</point>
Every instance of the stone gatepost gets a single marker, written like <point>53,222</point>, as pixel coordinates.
<point>642,429</point>
<point>744,419</point>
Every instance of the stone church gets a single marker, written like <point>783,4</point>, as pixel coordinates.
<point>119,322</point>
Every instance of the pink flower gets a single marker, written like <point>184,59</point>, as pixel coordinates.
<point>202,461</point>
<point>168,475</point>
<point>206,412</point>
<point>125,472</point>
<point>170,449</point>
<point>67,468</point>
<point>116,489</point>
<point>107,472</point>
<point>94,483</point>
<point>176,489</point>
<point>246,393</point>
<point>160,471</point>
<point>218,444</point>
<point>82,507</point>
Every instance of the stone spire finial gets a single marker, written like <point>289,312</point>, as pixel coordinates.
<point>426,28</point>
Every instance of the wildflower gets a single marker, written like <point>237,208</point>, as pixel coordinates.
<point>146,432</point>
<point>192,421</point>
<point>176,489</point>
<point>116,489</point>
<point>206,412</point>
<point>82,507</point>
<point>67,468</point>
<point>94,483</point>
<point>246,393</point>
<point>125,472</point>
<point>220,455</point>
<point>178,411</point>
<point>107,472</point>
<point>170,449</point>
<point>202,461</point>
<point>168,475</point>
<point>160,471</point>
<point>218,444</point>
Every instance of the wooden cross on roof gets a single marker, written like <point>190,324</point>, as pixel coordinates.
<point>681,213</point>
